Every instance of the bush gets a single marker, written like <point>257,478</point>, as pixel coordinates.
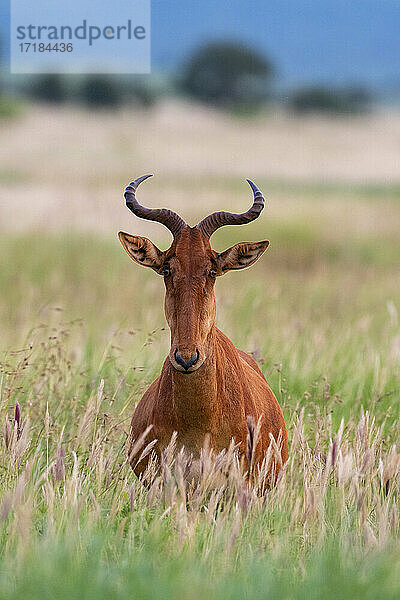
<point>48,88</point>
<point>100,91</point>
<point>330,100</point>
<point>143,91</point>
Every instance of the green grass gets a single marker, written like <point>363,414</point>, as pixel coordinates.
<point>322,318</point>
<point>10,108</point>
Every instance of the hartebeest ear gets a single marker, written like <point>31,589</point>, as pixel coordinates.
<point>142,250</point>
<point>240,256</point>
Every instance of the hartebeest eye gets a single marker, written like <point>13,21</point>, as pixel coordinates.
<point>212,273</point>
<point>166,271</point>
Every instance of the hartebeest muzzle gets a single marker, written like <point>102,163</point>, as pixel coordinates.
<point>183,362</point>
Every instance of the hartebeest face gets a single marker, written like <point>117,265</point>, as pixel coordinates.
<point>189,271</point>
<point>190,268</point>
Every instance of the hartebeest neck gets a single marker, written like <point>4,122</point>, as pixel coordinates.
<point>195,394</point>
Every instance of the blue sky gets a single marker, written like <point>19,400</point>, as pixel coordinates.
<point>340,41</point>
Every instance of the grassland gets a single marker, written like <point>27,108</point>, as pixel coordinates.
<point>82,333</point>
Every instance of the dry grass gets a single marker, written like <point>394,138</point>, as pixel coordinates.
<point>76,164</point>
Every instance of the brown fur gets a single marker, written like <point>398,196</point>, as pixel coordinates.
<point>226,385</point>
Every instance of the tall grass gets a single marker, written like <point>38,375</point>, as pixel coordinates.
<point>83,334</point>
<point>75,522</point>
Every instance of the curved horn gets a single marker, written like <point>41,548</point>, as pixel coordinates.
<point>213,222</point>
<point>163,215</point>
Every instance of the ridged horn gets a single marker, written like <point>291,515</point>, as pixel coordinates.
<point>218,219</point>
<point>163,215</point>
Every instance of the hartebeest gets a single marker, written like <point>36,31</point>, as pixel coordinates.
<point>207,388</point>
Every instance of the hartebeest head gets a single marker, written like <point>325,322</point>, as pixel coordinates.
<point>189,268</point>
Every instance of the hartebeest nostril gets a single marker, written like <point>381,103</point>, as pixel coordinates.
<point>186,364</point>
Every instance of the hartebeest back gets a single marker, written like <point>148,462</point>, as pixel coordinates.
<point>207,388</point>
